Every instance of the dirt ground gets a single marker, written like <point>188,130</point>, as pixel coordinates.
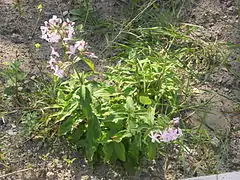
<point>220,20</point>
<point>31,159</point>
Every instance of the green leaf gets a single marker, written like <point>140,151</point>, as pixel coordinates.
<point>68,112</point>
<point>234,46</point>
<point>108,151</point>
<point>152,149</point>
<point>131,164</point>
<point>129,91</point>
<point>145,100</point>
<point>76,134</point>
<point>89,63</point>
<point>121,135</point>
<point>74,18</point>
<point>9,90</point>
<point>66,126</point>
<point>150,116</point>
<point>129,104</point>
<point>76,12</point>
<point>86,100</point>
<point>93,133</point>
<point>120,151</point>
<point>101,93</point>
<point>133,154</point>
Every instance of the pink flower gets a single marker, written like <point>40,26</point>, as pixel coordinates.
<point>170,134</point>
<point>59,72</point>
<point>45,36</point>
<point>71,50</point>
<point>44,32</point>
<point>69,34</point>
<point>55,29</point>
<point>176,120</point>
<point>68,23</point>
<point>52,63</point>
<point>55,20</point>
<point>46,23</point>
<point>80,45</point>
<point>68,26</point>
<point>44,29</point>
<point>90,55</point>
<point>154,136</point>
<point>179,132</point>
<point>54,37</point>
<point>167,135</point>
<point>55,53</point>
<point>71,23</point>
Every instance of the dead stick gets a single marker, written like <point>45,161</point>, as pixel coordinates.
<point>9,174</point>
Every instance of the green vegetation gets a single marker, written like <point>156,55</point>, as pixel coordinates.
<point>147,83</point>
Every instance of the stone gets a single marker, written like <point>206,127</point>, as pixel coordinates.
<point>65,13</point>
<point>229,176</point>
<point>50,175</point>
<point>212,177</point>
<point>11,132</point>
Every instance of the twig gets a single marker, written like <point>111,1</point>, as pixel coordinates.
<point>9,174</point>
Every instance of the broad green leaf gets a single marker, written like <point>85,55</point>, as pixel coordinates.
<point>131,164</point>
<point>76,134</point>
<point>101,93</point>
<point>129,104</point>
<point>129,91</point>
<point>75,18</point>
<point>76,12</point>
<point>150,116</point>
<point>93,133</point>
<point>121,135</point>
<point>133,153</point>
<point>120,151</point>
<point>89,63</point>
<point>108,151</point>
<point>152,149</point>
<point>68,112</point>
<point>66,126</point>
<point>145,100</point>
<point>86,100</point>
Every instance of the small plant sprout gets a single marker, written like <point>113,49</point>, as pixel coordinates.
<point>39,7</point>
<point>68,161</point>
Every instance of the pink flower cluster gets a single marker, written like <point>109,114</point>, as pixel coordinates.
<point>167,135</point>
<point>54,64</point>
<point>54,31</point>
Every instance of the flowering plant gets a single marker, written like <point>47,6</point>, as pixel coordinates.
<point>122,116</point>
<point>58,31</point>
<point>167,135</point>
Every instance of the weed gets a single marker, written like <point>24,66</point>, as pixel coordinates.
<point>14,77</point>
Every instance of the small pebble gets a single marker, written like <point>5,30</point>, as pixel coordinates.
<point>50,175</point>
<point>13,126</point>
<point>65,13</point>
<point>11,132</point>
